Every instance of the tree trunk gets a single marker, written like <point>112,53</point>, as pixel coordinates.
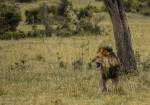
<point>121,33</point>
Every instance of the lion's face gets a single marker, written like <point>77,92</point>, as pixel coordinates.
<point>105,58</point>
<point>97,58</point>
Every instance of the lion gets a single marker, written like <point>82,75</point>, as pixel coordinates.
<point>108,64</point>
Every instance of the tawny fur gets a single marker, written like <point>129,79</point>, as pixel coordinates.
<point>108,64</point>
<point>107,58</point>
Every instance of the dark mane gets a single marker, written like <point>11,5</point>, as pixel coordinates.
<point>109,49</point>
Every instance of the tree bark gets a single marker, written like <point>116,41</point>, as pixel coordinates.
<point>121,33</point>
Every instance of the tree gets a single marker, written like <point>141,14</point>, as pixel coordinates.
<point>121,33</point>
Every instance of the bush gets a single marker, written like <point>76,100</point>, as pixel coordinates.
<point>87,23</point>
<point>63,32</point>
<point>32,16</point>
<point>86,26</point>
<point>140,6</point>
<point>13,35</point>
<point>38,33</point>
<point>61,9</point>
<point>144,7</point>
<point>25,1</point>
<point>69,26</point>
<point>87,11</point>
<point>146,64</point>
<point>10,17</point>
<point>79,21</point>
<point>135,6</point>
<point>130,5</point>
<point>58,10</point>
<point>64,20</point>
<point>145,12</point>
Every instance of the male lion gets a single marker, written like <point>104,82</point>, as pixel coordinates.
<point>108,64</point>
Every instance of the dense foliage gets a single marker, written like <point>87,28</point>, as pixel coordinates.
<point>59,20</point>
<point>135,6</point>
<point>138,6</point>
<point>66,19</point>
<point>10,17</point>
<point>24,1</point>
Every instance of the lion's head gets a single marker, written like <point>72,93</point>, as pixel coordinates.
<point>106,58</point>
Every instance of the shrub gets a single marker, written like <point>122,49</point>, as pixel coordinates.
<point>87,11</point>
<point>146,65</point>
<point>86,26</point>
<point>135,6</point>
<point>10,17</point>
<point>25,1</point>
<point>145,12</point>
<point>69,26</point>
<point>33,16</point>
<point>59,10</point>
<point>63,6</point>
<point>37,33</point>
<point>63,19</point>
<point>13,35</point>
<point>63,31</point>
<point>144,8</point>
<point>140,6</point>
<point>130,5</point>
<point>86,22</point>
<point>79,21</point>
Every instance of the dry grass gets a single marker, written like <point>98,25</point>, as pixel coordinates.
<point>33,72</point>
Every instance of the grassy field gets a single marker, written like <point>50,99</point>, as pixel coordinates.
<point>41,71</point>
<point>56,71</point>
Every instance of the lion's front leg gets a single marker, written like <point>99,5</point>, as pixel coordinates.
<point>115,82</point>
<point>102,81</point>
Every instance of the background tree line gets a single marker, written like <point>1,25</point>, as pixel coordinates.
<point>59,20</point>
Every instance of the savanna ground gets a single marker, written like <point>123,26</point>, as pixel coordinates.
<point>45,71</point>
